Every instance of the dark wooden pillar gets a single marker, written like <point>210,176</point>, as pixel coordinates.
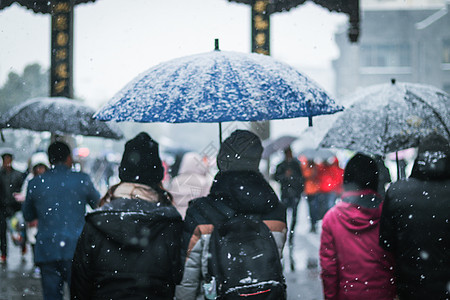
<point>261,44</point>
<point>61,68</point>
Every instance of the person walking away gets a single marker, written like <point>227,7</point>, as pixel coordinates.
<point>311,190</point>
<point>289,174</point>
<point>57,199</point>
<point>130,246</point>
<point>193,181</point>
<point>415,224</point>
<point>238,190</point>
<point>3,222</point>
<point>384,175</point>
<point>38,165</point>
<point>12,182</point>
<point>330,178</point>
<point>353,265</point>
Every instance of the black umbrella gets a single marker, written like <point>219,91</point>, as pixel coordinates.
<point>390,117</point>
<point>58,115</point>
<point>280,143</point>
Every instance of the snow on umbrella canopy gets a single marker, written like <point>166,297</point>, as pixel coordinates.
<point>218,86</point>
<point>390,117</point>
<point>58,115</point>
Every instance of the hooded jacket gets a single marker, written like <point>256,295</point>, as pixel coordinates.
<point>129,248</point>
<point>415,225</point>
<point>246,192</point>
<point>193,181</point>
<point>353,264</point>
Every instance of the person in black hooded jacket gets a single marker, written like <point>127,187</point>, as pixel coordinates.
<point>415,224</point>
<point>240,186</point>
<point>130,247</point>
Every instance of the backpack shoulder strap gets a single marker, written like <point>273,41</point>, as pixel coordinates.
<point>215,211</point>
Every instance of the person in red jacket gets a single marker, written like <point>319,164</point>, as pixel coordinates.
<point>330,178</point>
<point>353,264</point>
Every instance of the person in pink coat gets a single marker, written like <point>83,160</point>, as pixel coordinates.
<point>353,265</point>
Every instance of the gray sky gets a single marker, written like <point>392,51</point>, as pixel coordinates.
<point>113,43</point>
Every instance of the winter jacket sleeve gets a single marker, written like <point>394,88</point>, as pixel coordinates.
<point>193,244</point>
<point>387,225</point>
<point>81,280</point>
<point>328,262</point>
<point>92,195</point>
<point>174,244</point>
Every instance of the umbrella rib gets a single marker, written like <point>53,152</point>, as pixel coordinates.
<point>438,116</point>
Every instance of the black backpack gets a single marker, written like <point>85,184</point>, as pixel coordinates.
<point>243,258</point>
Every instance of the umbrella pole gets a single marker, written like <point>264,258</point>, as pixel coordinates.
<point>220,133</point>
<point>308,106</point>
<point>398,166</point>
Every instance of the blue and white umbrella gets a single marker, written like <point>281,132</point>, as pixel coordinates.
<point>218,86</point>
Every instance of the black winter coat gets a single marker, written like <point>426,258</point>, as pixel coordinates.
<point>12,183</point>
<point>415,227</point>
<point>291,186</point>
<point>129,249</point>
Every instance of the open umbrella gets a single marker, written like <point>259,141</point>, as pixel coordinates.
<point>280,143</point>
<point>58,115</point>
<point>390,117</point>
<point>319,153</point>
<point>218,86</point>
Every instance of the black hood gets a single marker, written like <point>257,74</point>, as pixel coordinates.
<point>244,192</point>
<point>433,160</point>
<point>133,222</point>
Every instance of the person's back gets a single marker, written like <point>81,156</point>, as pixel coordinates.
<point>353,265</point>
<point>239,186</point>
<point>60,196</point>
<point>384,176</point>
<point>130,246</point>
<point>415,226</point>
<point>289,174</point>
<point>12,180</point>
<point>58,199</point>
<point>3,226</point>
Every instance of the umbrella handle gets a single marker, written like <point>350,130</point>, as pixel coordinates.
<point>398,166</point>
<point>216,45</point>
<point>220,133</point>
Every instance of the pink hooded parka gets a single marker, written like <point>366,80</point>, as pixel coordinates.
<point>353,264</point>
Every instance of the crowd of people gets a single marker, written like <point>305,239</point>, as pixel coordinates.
<point>221,236</point>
